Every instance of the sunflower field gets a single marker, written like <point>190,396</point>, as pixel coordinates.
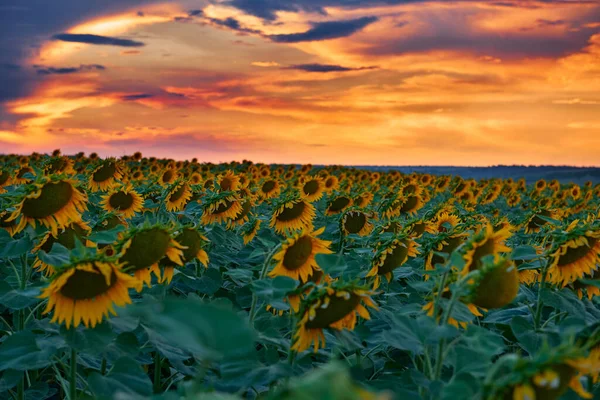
<point>139,278</point>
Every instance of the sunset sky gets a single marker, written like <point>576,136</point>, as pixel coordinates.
<point>322,81</point>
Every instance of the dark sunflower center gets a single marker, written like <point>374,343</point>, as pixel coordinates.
<point>23,171</point>
<point>410,189</point>
<point>339,204</point>
<point>4,177</point>
<point>57,165</point>
<point>208,184</point>
<point>394,226</point>
<point>575,254</point>
<point>105,172</point>
<point>337,309</point>
<point>394,260</point>
<point>189,238</point>
<point>410,204</point>
<point>167,176</point>
<point>137,175</point>
<point>54,196</point>
<point>354,222</point>
<point>268,186</point>
<point>418,228</point>
<point>84,285</point>
<point>109,223</point>
<point>66,238</point>
<point>177,194</point>
<point>223,207</point>
<point>226,183</point>
<point>311,187</point>
<point>292,213</point>
<point>147,248</point>
<point>121,200</point>
<point>246,207</point>
<point>298,253</point>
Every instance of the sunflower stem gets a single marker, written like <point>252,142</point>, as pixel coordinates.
<point>103,366</point>
<point>539,305</point>
<point>262,275</point>
<point>157,368</point>
<point>73,375</point>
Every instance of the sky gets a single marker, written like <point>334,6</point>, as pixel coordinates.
<point>389,82</point>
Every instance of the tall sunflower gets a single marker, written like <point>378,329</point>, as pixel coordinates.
<point>193,243</point>
<point>338,204</point>
<point>484,243</point>
<point>124,201</point>
<point>335,306</point>
<point>296,259</point>
<point>52,202</point>
<point>269,189</point>
<point>141,250</point>
<point>496,285</point>
<point>389,256</point>
<point>86,292</point>
<point>222,207</point>
<point>312,188</point>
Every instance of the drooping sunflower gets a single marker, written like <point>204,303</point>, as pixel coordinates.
<point>535,223</point>
<point>193,243</point>
<point>356,222</point>
<point>222,207</point>
<point>59,165</point>
<point>496,285</point>
<point>296,259</point>
<point>338,204</point>
<point>443,244</point>
<point>244,215</point>
<point>74,231</point>
<point>86,292</point>
<point>269,189</point>
<point>124,201</point>
<point>575,256</point>
<point>9,226</point>
<point>179,194</point>
<point>141,250</point>
<point>250,230</point>
<point>52,202</point>
<point>5,179</point>
<point>443,222</point>
<point>293,215</point>
<point>428,307</point>
<point>487,242</point>
<point>106,175</point>
<point>20,178</point>
<point>335,306</point>
<point>331,183</point>
<point>389,256</point>
<point>312,188</point>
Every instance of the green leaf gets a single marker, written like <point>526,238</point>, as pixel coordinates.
<point>108,236</point>
<point>209,283</point>
<point>525,252</point>
<point>126,379</point>
<point>10,247</point>
<point>276,288</point>
<point>332,264</point>
<point>21,352</point>
<point>59,255</point>
<point>9,379</point>
<point>17,299</point>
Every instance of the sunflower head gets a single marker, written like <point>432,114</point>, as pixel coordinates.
<point>52,202</point>
<point>105,175</point>
<point>338,204</point>
<point>486,242</point>
<point>249,230</point>
<point>123,200</point>
<point>496,284</point>
<point>177,196</point>
<point>291,213</point>
<point>269,188</point>
<point>356,221</point>
<point>312,188</point>
<point>221,207</point>
<point>86,291</point>
<point>390,255</point>
<point>334,306</point>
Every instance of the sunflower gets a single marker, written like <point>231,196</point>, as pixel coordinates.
<point>5,179</point>
<point>142,249</point>
<point>250,230</point>
<point>443,222</point>
<point>535,223</point>
<point>338,205</point>
<point>67,237</point>
<point>20,178</point>
<point>293,215</point>
<point>179,194</point>
<point>482,244</point>
<point>59,165</point>
<point>86,291</point>
<point>123,201</point>
<point>105,176</point>
<point>195,179</point>
<point>334,306</point>
<point>356,222</point>
<point>192,243</point>
<point>269,189</point>
<point>331,183</point>
<point>168,176</point>
<point>296,258</point>
<point>312,188</point>
<point>243,216</point>
<point>52,202</point>
<point>444,245</point>
<point>428,307</point>
<point>389,256</point>
<point>221,208</point>
<point>9,226</point>
<point>496,286</point>
<point>228,181</point>
<point>575,258</point>
<point>363,200</point>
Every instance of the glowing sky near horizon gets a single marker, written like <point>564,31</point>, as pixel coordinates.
<point>322,81</point>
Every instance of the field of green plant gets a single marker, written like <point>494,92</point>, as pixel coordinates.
<point>138,278</point>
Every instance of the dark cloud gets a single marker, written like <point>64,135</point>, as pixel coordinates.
<point>96,39</point>
<point>324,68</point>
<point>137,96</point>
<point>195,13</point>
<point>41,70</point>
<point>326,30</point>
